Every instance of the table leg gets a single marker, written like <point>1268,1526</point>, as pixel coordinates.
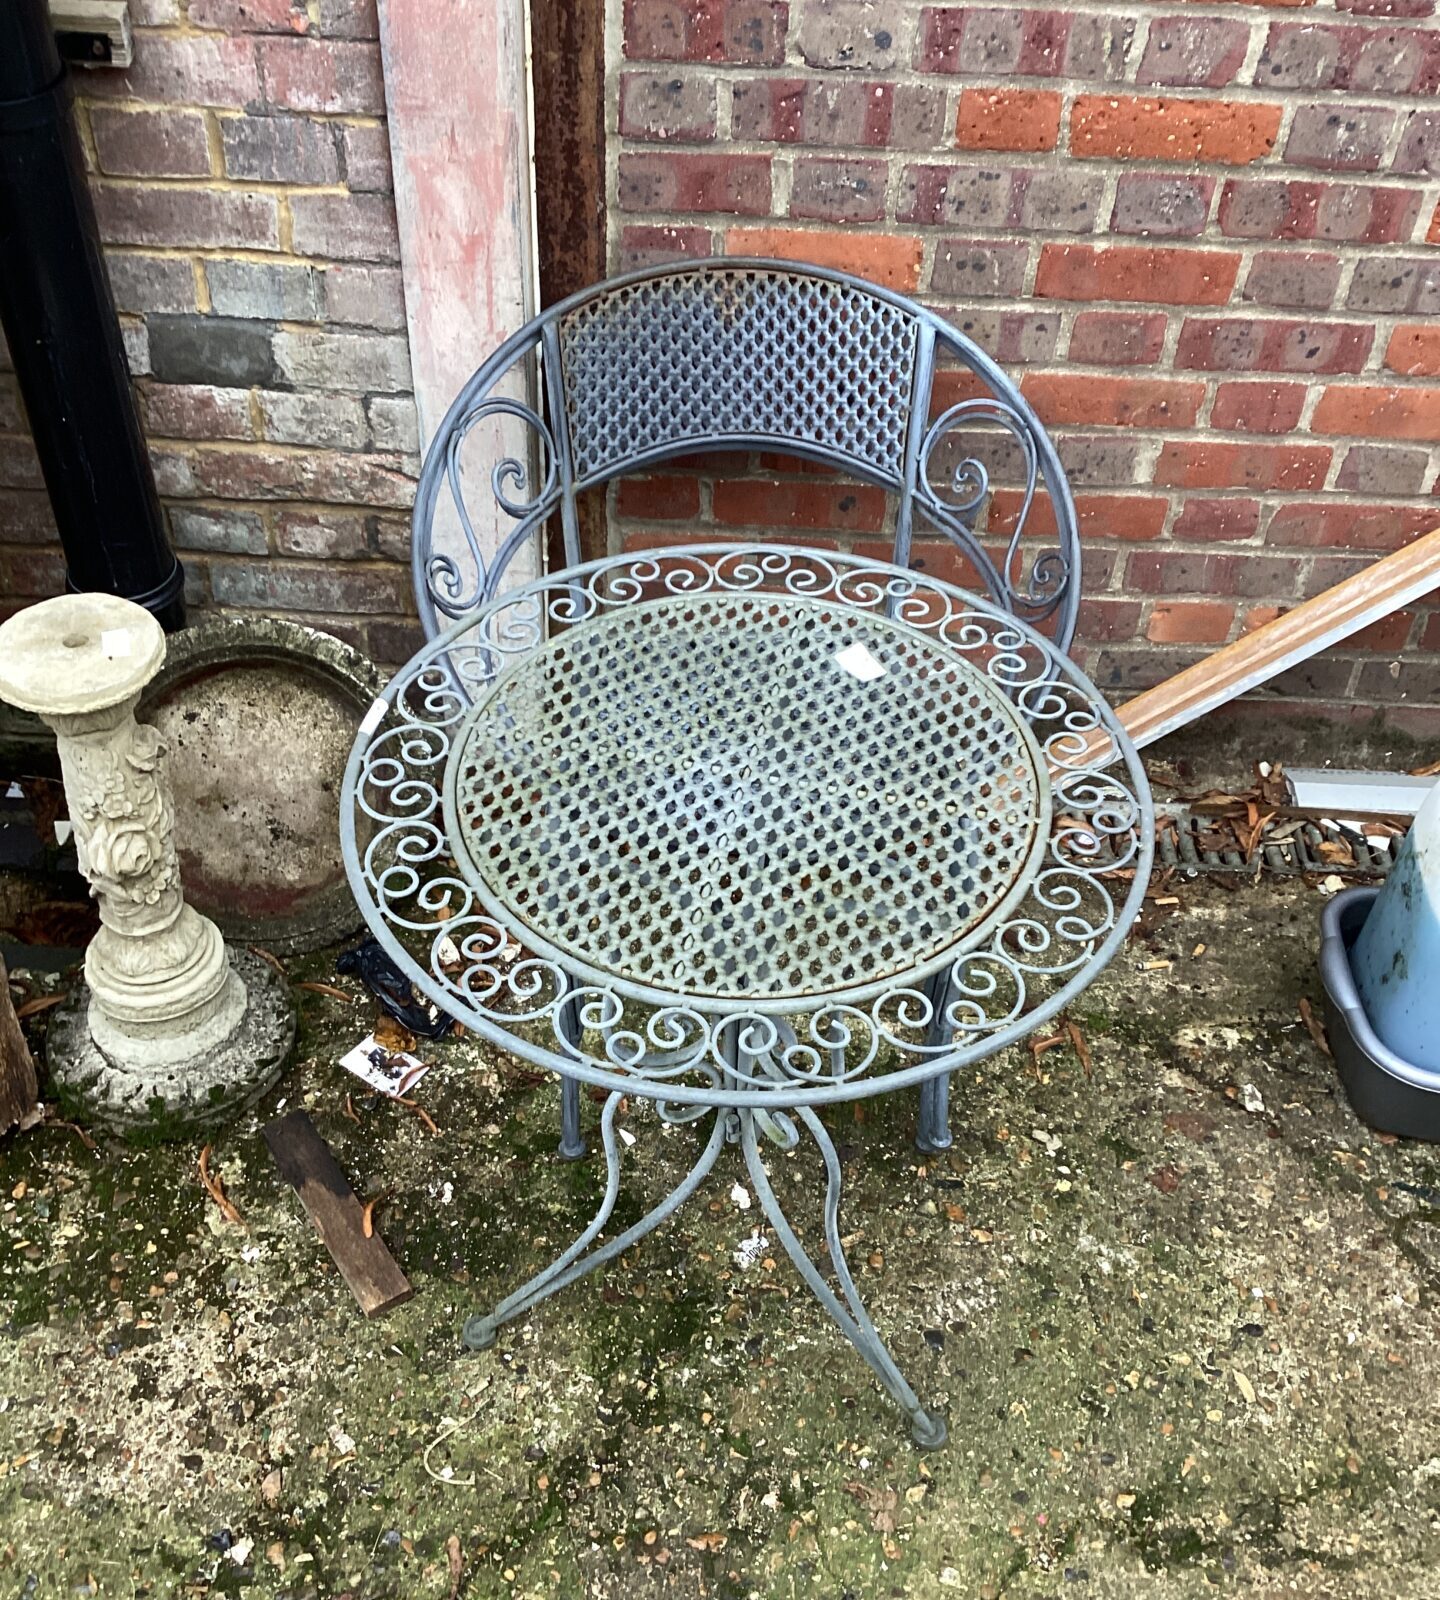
<point>932,1132</point>
<point>572,1145</point>
<point>479,1332</point>
<point>927,1429</point>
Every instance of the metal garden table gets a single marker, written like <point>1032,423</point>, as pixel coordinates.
<point>771,828</point>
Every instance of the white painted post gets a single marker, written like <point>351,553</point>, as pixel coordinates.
<point>457,95</point>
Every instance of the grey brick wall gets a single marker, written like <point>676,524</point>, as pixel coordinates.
<point>241,174</point>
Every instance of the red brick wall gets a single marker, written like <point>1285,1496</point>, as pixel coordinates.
<point>242,180</point>
<point>1202,237</point>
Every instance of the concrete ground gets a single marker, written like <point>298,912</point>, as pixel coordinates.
<point>1180,1311</point>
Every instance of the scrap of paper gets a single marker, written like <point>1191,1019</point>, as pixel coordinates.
<point>392,1072</point>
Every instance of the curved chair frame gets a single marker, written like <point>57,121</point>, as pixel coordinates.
<point>589,346</point>
<point>738,354</point>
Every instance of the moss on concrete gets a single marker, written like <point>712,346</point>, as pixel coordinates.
<point>1180,1313</point>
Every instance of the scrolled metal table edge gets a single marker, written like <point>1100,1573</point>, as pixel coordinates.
<point>761,1079</point>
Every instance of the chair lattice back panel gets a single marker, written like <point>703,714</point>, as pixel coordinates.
<point>699,358</point>
<point>734,355</point>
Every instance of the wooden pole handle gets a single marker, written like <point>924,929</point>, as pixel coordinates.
<point>1324,620</point>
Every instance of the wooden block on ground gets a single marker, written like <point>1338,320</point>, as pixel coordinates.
<point>19,1092</point>
<point>307,1165</point>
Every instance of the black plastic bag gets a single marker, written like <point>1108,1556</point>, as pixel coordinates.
<point>393,990</point>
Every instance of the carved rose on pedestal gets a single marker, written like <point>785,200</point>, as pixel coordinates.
<point>122,850</point>
<point>126,827</point>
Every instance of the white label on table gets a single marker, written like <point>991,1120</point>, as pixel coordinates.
<point>115,642</point>
<point>859,663</point>
<point>385,1070</point>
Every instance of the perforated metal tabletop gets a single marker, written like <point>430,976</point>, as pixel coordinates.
<point>761,798</point>
<point>621,816</point>
<point>744,830</point>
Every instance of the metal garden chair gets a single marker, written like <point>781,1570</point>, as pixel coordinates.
<point>742,356</point>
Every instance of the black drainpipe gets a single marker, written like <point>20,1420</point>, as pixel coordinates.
<point>59,320</point>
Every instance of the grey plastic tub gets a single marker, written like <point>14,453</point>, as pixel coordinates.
<point>1389,1093</point>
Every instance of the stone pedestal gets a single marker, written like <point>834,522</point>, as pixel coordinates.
<point>167,1026</point>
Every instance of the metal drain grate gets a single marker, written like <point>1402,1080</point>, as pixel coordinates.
<point>1178,846</point>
